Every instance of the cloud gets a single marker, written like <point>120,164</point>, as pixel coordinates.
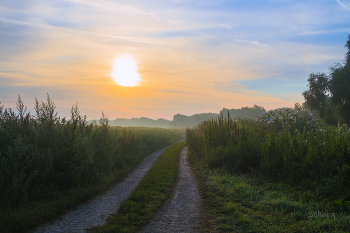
<point>252,42</point>
<point>323,31</point>
<point>343,5</point>
<point>177,92</point>
<point>140,39</point>
<point>175,21</point>
<point>227,26</point>
<point>113,7</point>
<point>237,88</point>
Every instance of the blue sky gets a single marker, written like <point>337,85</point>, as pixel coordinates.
<point>193,56</point>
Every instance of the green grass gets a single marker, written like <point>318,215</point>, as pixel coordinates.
<point>32,214</point>
<point>155,188</point>
<point>36,213</point>
<point>270,176</point>
<point>248,203</point>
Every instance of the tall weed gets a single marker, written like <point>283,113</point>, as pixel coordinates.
<point>42,155</point>
<point>288,146</point>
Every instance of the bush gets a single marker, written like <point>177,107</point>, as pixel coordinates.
<point>42,156</point>
<point>287,146</point>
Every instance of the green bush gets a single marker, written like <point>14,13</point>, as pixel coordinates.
<point>287,146</point>
<point>42,155</point>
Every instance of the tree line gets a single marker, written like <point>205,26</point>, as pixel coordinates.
<point>329,94</point>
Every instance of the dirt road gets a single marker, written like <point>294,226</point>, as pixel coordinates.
<point>182,212</point>
<point>96,211</point>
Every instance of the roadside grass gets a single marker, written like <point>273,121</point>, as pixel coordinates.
<point>248,203</point>
<point>152,192</point>
<point>35,213</point>
<point>32,214</point>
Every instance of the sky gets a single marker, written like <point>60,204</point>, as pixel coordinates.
<point>190,56</point>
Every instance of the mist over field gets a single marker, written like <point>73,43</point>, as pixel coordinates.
<point>183,121</point>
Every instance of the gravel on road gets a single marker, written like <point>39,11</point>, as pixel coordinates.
<point>96,211</point>
<point>181,213</point>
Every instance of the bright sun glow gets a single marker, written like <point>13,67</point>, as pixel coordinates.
<point>125,72</point>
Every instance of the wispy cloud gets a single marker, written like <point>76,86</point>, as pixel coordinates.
<point>72,45</point>
<point>140,39</point>
<point>226,26</point>
<point>323,31</point>
<point>175,21</point>
<point>252,42</point>
<point>343,5</point>
<point>113,7</point>
<point>177,92</point>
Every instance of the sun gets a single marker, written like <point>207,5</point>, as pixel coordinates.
<point>125,72</point>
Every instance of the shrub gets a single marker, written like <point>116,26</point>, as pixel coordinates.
<point>42,155</point>
<point>286,146</point>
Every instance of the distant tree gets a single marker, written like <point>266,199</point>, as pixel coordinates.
<point>304,110</point>
<point>245,112</point>
<point>259,110</point>
<point>329,94</point>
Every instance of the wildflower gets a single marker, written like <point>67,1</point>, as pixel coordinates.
<point>269,120</point>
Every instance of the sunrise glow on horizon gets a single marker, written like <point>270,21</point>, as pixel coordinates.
<point>159,58</point>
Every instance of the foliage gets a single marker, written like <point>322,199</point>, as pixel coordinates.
<point>180,120</point>
<point>269,175</point>
<point>249,203</point>
<point>329,94</point>
<point>155,188</point>
<point>245,112</point>
<point>194,120</point>
<point>285,146</point>
<point>43,156</point>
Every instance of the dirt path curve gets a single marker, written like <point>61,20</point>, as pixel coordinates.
<point>182,212</point>
<point>96,211</point>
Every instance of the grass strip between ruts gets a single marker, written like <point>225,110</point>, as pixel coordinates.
<point>152,192</point>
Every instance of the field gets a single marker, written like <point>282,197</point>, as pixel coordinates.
<point>49,165</point>
<point>282,174</point>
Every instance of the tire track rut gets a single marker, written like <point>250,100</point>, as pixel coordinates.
<point>181,213</point>
<point>96,211</point>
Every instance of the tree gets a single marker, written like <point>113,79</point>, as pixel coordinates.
<point>303,110</point>
<point>329,94</point>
